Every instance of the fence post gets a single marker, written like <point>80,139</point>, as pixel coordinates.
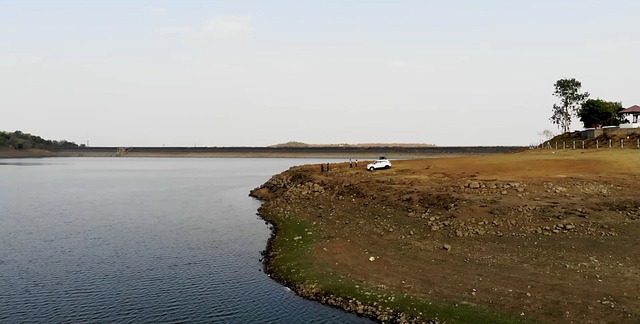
<point>609,143</point>
<point>583,144</point>
<point>621,143</point>
<point>556,145</point>
<point>574,144</point>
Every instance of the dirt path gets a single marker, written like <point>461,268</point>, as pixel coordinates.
<point>548,236</point>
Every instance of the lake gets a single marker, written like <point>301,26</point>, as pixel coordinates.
<point>140,240</point>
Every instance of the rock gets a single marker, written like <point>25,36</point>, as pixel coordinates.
<point>435,227</point>
<point>474,184</point>
<point>447,247</point>
<point>504,192</point>
<point>372,259</point>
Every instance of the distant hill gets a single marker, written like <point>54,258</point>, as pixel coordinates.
<point>300,144</point>
<point>291,144</point>
<point>22,141</point>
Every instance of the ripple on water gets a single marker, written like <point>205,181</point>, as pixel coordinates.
<point>94,240</point>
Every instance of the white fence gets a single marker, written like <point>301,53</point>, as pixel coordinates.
<point>588,144</point>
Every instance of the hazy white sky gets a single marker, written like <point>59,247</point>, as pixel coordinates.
<point>255,73</point>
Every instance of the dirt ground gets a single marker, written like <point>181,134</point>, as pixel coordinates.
<point>547,235</point>
<point>10,153</point>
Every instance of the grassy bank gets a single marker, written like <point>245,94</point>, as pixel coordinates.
<point>289,260</point>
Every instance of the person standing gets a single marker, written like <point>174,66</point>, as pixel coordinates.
<point>327,167</point>
<point>350,164</point>
<point>321,168</point>
<point>356,163</point>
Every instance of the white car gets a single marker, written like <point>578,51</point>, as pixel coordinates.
<point>379,164</point>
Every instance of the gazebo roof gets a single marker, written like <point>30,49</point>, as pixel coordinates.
<point>635,109</point>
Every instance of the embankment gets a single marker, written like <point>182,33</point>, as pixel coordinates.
<point>287,152</point>
<point>9,153</point>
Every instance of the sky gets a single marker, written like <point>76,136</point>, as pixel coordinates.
<point>257,73</point>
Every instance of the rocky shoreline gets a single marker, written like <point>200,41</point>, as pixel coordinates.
<point>511,225</point>
<point>373,311</point>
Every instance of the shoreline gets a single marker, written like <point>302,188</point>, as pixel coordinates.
<point>444,240</point>
<point>286,229</point>
<point>326,298</point>
<point>375,312</point>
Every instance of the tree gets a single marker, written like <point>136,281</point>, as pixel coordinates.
<point>568,90</point>
<point>596,113</point>
<point>546,135</point>
<point>20,140</point>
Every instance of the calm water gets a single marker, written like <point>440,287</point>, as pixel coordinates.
<point>140,240</point>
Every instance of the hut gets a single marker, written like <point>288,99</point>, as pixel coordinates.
<point>631,111</point>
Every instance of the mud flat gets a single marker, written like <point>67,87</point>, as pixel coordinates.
<point>532,237</point>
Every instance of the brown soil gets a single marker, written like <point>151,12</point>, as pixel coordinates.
<point>551,236</point>
<point>6,152</point>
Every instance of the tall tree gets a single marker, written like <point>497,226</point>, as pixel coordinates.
<point>568,90</point>
<point>546,134</point>
<point>596,113</point>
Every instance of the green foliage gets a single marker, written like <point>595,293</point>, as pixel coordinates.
<point>568,90</point>
<point>292,144</point>
<point>20,141</point>
<point>597,112</point>
<point>4,139</point>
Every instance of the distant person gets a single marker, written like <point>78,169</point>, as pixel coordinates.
<point>327,167</point>
<point>356,163</point>
<point>321,168</point>
<point>350,164</point>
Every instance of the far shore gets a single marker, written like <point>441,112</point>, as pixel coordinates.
<point>393,152</point>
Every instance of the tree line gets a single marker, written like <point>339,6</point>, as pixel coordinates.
<point>20,141</point>
<point>574,103</point>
